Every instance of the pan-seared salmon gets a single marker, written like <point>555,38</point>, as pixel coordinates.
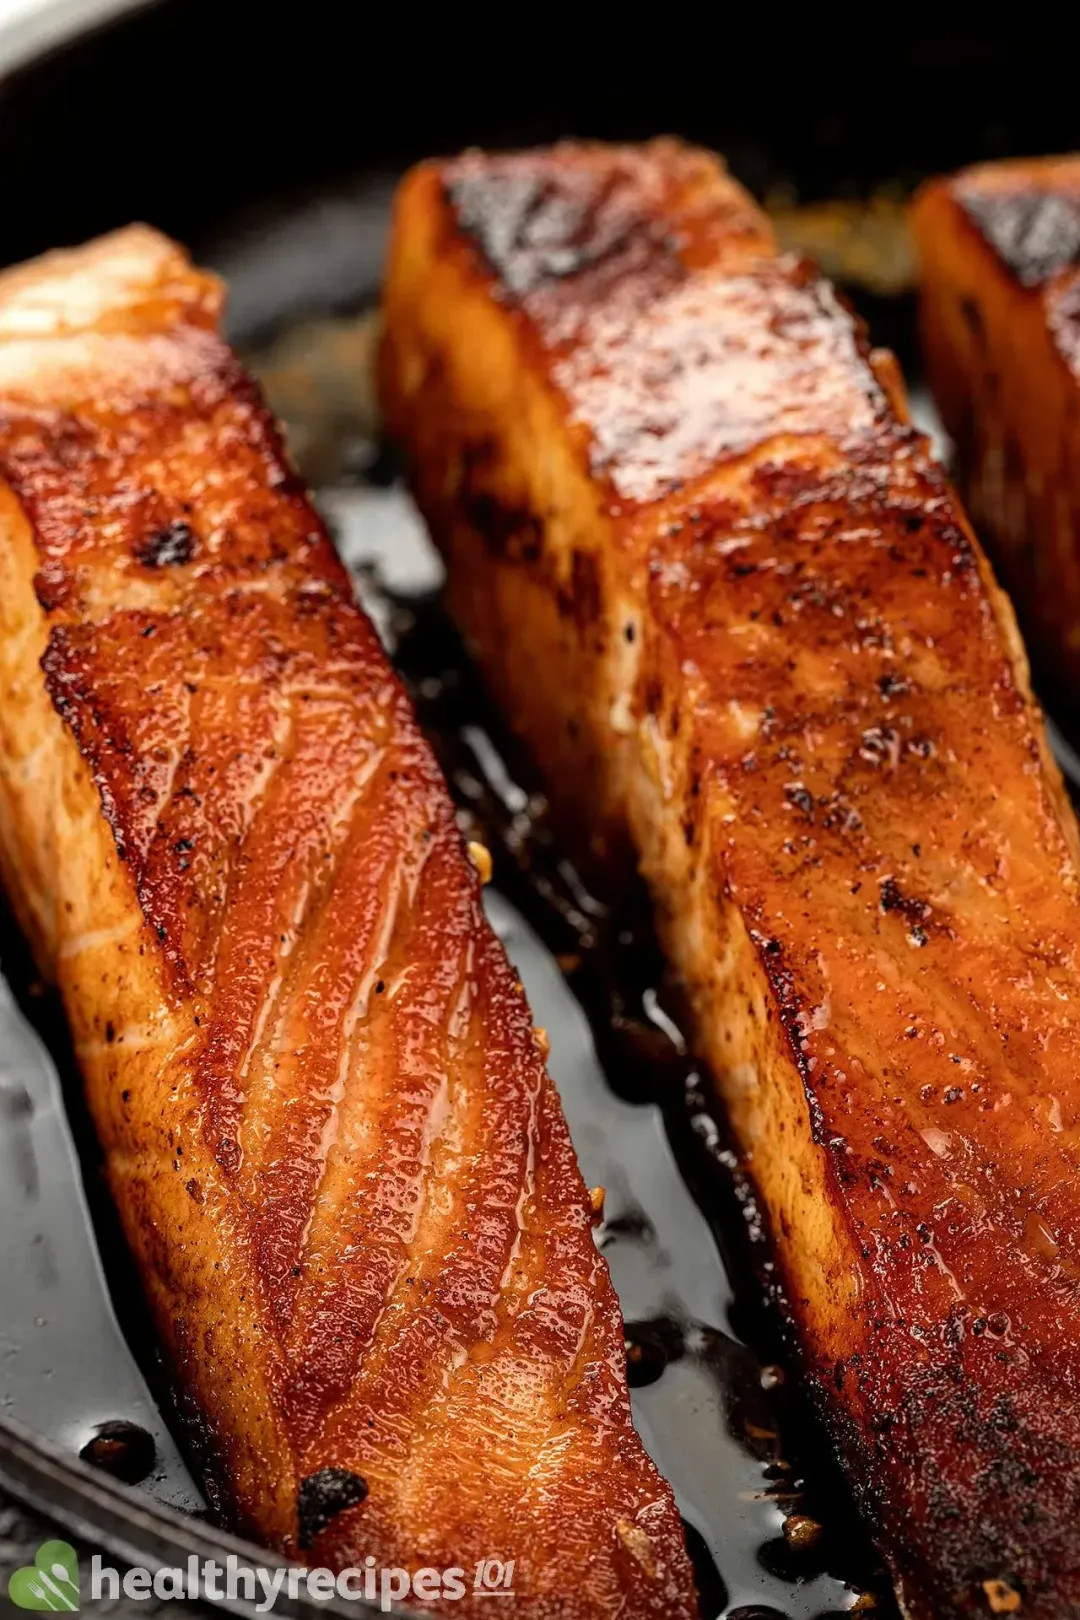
<point>725,593</point>
<point>999,252</point>
<point>324,1110</point>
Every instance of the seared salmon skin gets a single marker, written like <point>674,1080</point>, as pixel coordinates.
<point>726,595</point>
<point>999,291</point>
<point>323,1108</point>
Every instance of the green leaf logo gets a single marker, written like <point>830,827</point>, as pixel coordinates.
<point>50,1582</point>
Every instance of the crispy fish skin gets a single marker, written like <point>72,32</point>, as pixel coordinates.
<point>999,279</point>
<point>722,589</point>
<point>323,1107</point>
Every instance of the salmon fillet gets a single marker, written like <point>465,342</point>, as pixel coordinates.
<point>999,252</point>
<point>723,591</point>
<point>324,1111</point>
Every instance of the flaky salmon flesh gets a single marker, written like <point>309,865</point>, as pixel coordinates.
<point>721,587</point>
<point>323,1107</point>
<point>999,257</point>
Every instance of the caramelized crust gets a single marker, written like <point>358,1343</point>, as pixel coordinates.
<point>999,248</point>
<point>733,605</point>
<point>325,1117</point>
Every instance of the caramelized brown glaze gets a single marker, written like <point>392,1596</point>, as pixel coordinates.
<point>324,1109</point>
<point>724,591</point>
<point>999,248</point>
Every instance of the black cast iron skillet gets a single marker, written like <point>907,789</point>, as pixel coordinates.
<point>268,141</point>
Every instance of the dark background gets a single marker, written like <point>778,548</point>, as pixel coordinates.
<point>194,110</point>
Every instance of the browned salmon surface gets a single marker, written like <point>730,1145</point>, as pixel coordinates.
<point>723,590</point>
<point>323,1107</point>
<point>999,261</point>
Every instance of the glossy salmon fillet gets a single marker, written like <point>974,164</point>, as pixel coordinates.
<point>324,1110</point>
<point>729,599</point>
<point>999,252</point>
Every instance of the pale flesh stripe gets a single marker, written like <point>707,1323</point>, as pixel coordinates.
<point>408,1049</point>
<point>328,829</point>
<point>272,897</point>
<point>283,1174</point>
<point>362,1081</point>
<point>291,877</point>
<point>443,1190</point>
<point>474,1308</point>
